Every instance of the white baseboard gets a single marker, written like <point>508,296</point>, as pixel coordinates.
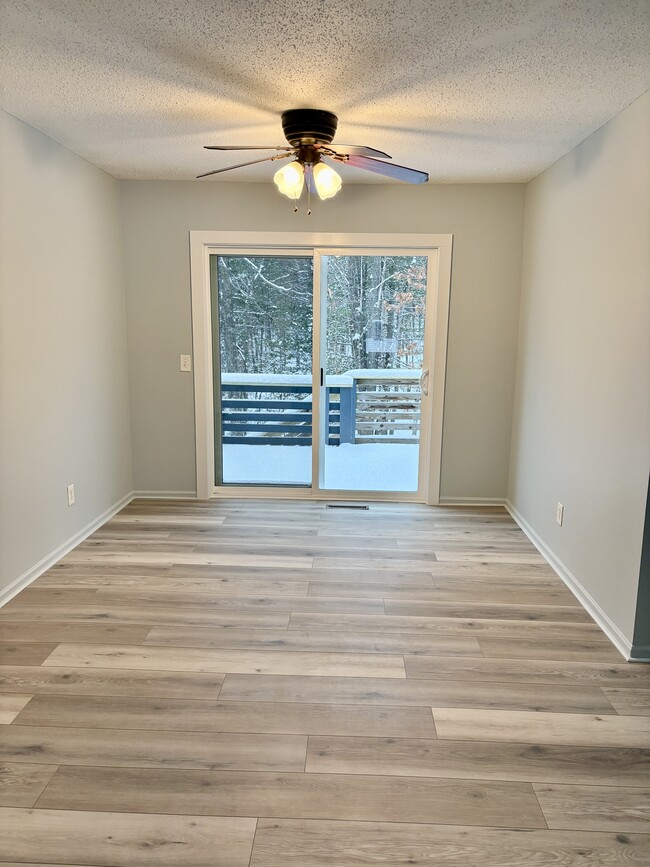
<point>472,501</point>
<point>610,629</point>
<point>54,556</point>
<point>163,495</point>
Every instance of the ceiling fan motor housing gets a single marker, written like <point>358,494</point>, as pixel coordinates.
<point>308,126</point>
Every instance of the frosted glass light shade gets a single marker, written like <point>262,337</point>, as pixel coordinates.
<point>290,180</point>
<point>327,181</point>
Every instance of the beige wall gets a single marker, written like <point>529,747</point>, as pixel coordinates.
<point>581,430</point>
<point>486,221</point>
<point>63,377</point>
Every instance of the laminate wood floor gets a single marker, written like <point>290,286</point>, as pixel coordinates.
<point>273,684</point>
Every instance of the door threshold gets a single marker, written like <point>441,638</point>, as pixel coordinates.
<point>273,492</point>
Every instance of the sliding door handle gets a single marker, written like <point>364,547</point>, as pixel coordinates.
<point>424,381</point>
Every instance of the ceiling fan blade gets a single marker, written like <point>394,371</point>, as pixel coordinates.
<point>358,151</point>
<point>400,173</point>
<point>246,147</point>
<point>241,165</point>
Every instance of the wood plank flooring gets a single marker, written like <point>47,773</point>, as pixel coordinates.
<point>272,684</point>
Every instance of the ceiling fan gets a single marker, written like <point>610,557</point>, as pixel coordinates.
<point>310,133</point>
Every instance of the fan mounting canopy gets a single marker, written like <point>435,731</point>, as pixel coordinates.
<point>309,126</point>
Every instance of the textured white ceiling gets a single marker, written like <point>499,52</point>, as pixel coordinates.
<point>468,90</point>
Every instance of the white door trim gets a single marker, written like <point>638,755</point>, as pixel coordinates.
<point>203,243</point>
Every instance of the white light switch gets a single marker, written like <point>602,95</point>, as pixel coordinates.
<point>186,362</point>
<point>70,493</point>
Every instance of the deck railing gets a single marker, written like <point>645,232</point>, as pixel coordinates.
<point>360,407</point>
<point>387,409</point>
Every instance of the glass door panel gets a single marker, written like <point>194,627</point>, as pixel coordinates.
<point>373,355</point>
<point>262,368</point>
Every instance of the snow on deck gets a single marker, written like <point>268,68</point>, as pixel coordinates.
<point>349,467</point>
<point>345,379</point>
<point>289,379</point>
<point>384,373</point>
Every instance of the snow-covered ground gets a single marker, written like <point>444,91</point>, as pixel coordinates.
<point>348,467</point>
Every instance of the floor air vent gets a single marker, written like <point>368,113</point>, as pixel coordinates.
<point>345,506</point>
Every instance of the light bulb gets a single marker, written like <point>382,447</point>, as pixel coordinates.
<point>290,180</point>
<point>328,182</point>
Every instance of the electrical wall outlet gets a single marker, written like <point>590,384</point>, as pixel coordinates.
<point>70,491</point>
<point>186,363</point>
<point>559,514</point>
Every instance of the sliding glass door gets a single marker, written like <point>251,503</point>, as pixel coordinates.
<point>262,316</point>
<point>320,370</point>
<point>373,354</point>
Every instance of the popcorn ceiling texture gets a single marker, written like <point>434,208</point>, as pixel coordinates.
<point>468,90</point>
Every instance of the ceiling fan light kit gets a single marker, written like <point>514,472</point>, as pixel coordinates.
<point>310,133</point>
<point>290,180</point>
<point>328,182</point>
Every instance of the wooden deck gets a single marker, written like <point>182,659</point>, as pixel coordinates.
<point>272,684</point>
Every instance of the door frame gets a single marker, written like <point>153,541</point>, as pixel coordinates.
<point>205,243</point>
